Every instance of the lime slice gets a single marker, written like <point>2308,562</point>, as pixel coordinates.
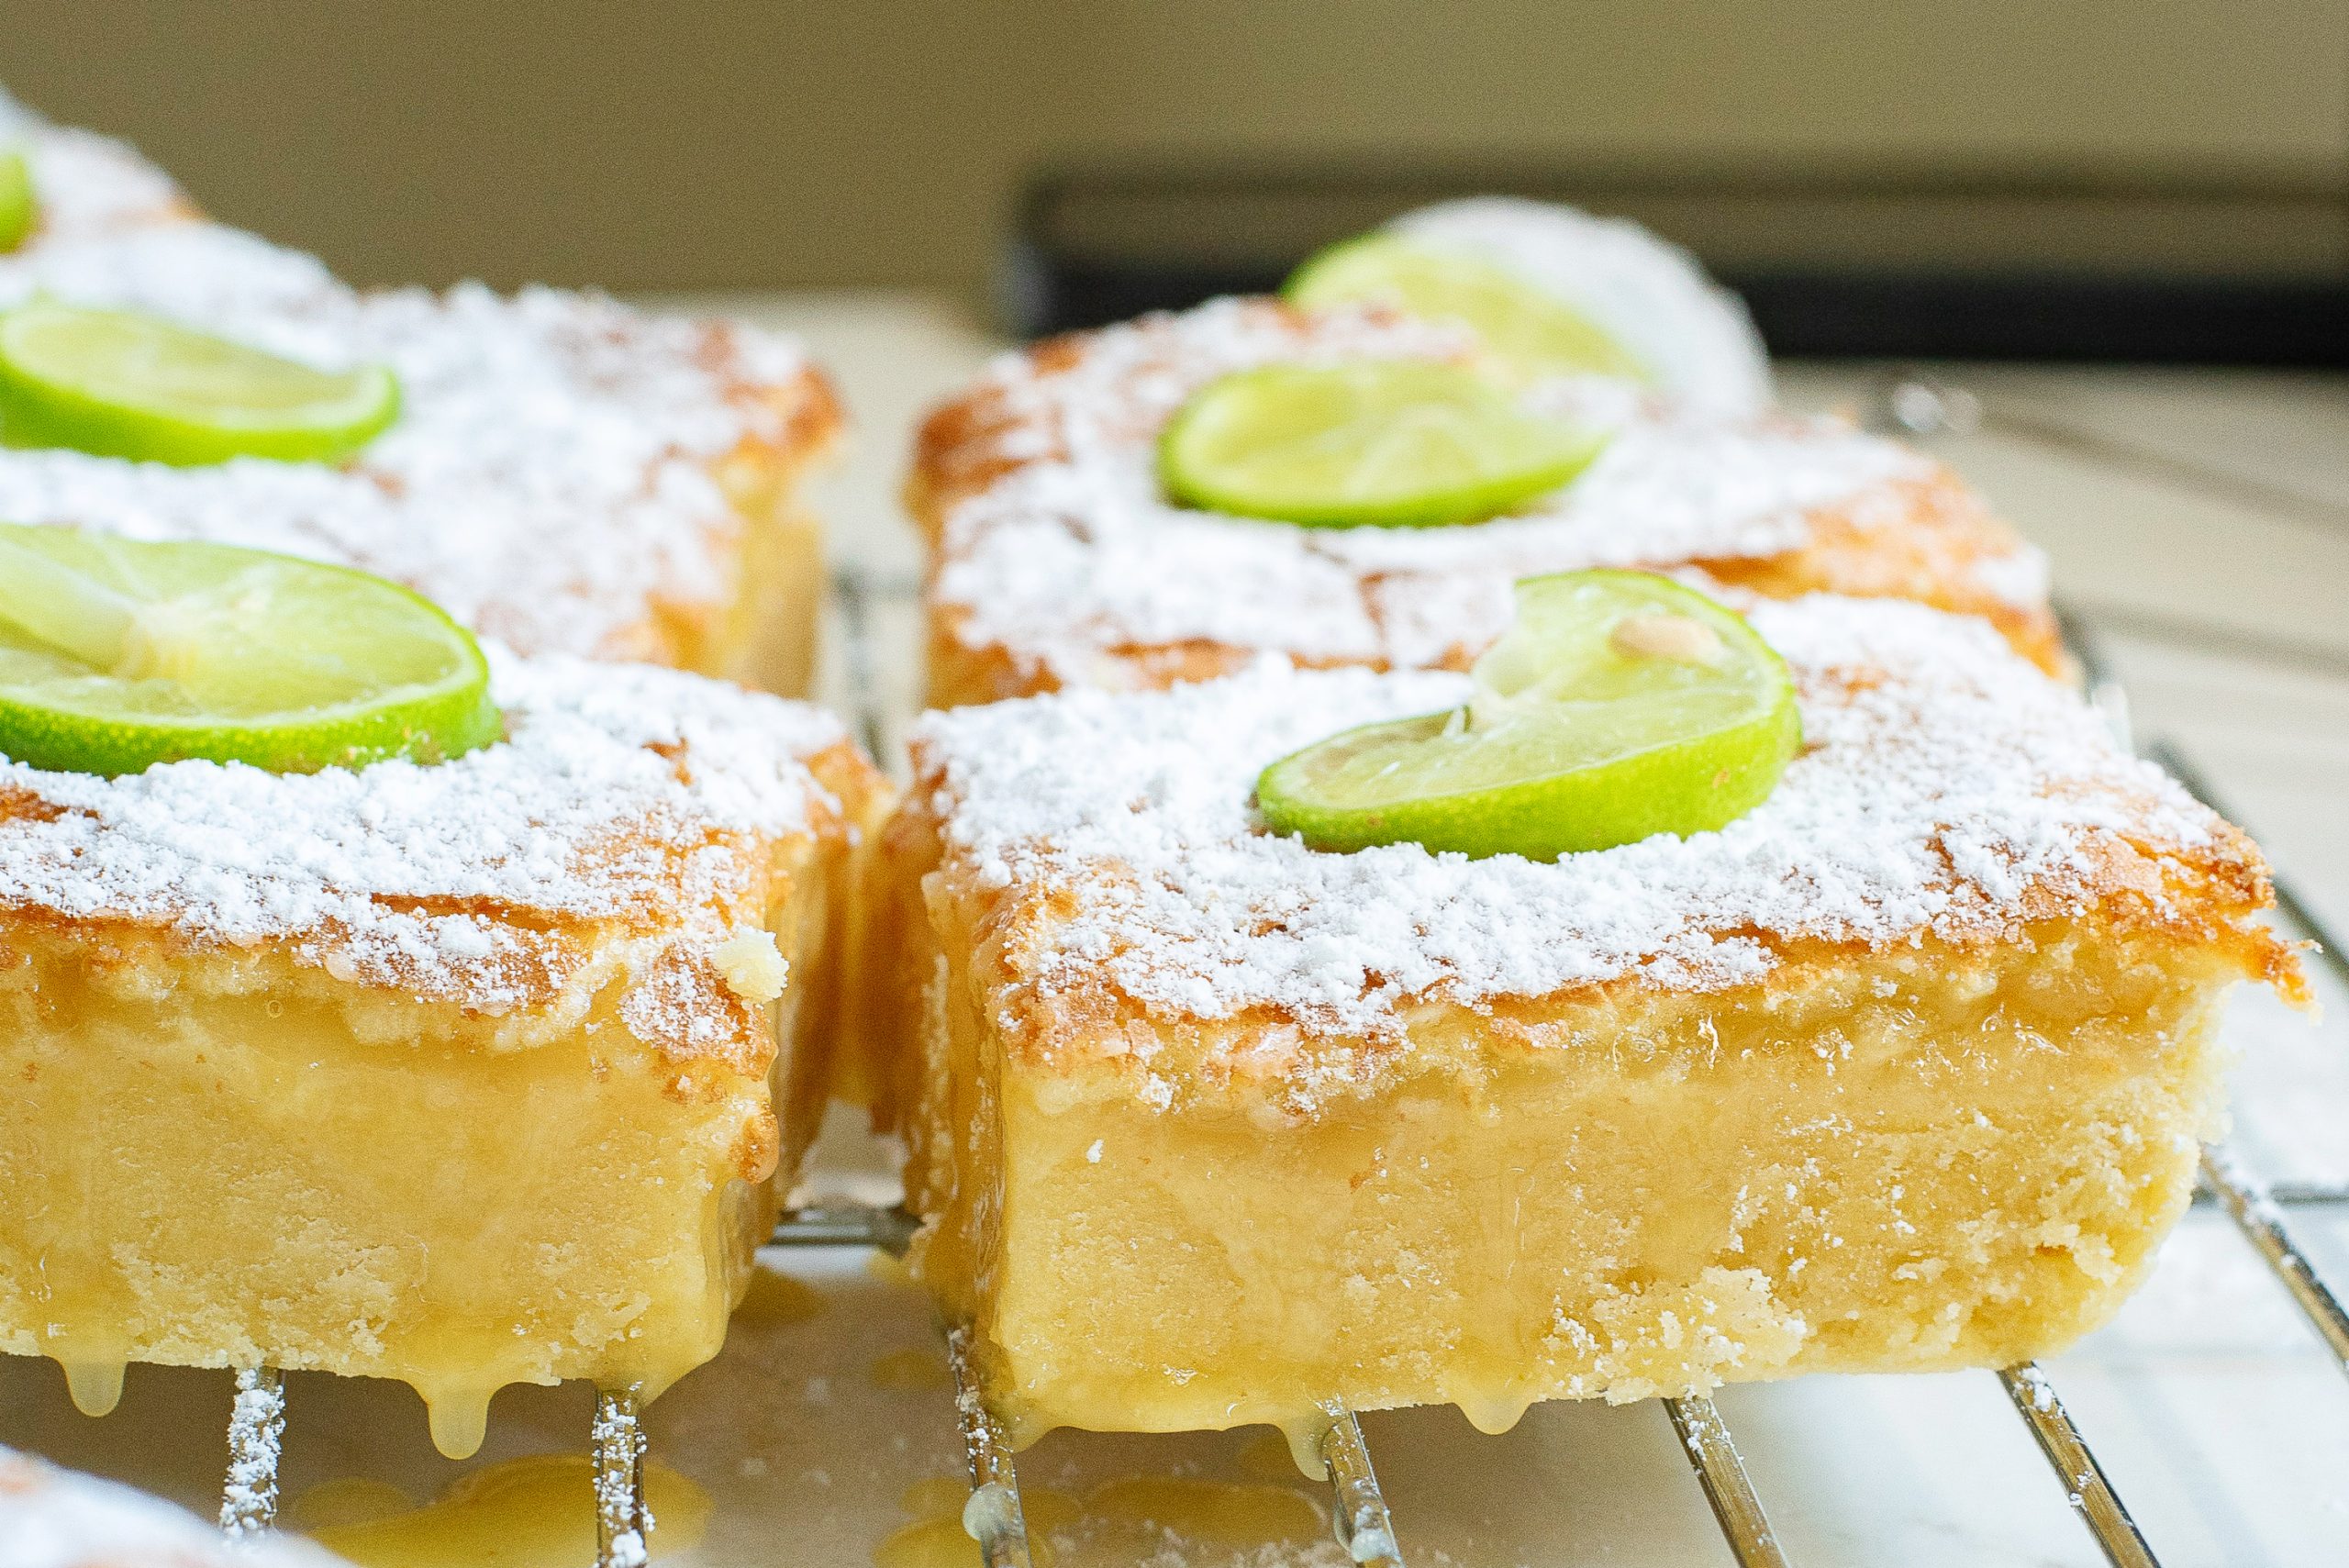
<point>1531,331</point>
<point>1620,705</point>
<point>1396,442</point>
<point>122,384</point>
<point>18,208</point>
<point>116,655</point>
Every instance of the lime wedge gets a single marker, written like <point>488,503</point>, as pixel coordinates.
<point>123,384</point>
<point>1403,443</point>
<point>1529,330</point>
<point>116,655</point>
<point>1620,705</point>
<point>18,208</point>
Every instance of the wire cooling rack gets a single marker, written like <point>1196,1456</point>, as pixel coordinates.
<point>1362,1521</point>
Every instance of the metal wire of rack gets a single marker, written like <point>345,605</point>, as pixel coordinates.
<point>1361,1519</point>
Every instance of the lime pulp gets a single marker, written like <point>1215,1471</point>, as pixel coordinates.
<point>17,207</point>
<point>116,654</point>
<point>120,384</point>
<point>1620,705</point>
<point>1400,443</point>
<point>1527,329</point>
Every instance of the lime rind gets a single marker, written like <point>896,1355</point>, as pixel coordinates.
<point>19,208</point>
<point>118,383</point>
<point>1568,745</point>
<point>1388,443</point>
<point>1529,330</point>
<point>183,651</point>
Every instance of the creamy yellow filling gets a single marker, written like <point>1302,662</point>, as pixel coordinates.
<point>239,1163</point>
<point>1909,1161</point>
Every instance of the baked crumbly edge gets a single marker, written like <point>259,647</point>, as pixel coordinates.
<point>634,820</point>
<point>1947,790</point>
<point>1270,1062</point>
<point>998,473</point>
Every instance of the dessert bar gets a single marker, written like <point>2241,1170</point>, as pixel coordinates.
<point>565,474</point>
<point>1904,1070</point>
<point>464,1074</point>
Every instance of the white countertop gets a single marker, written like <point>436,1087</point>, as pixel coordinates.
<point>2200,525</point>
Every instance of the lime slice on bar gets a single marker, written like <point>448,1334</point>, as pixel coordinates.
<point>1620,705</point>
<point>1531,331</point>
<point>1403,443</point>
<point>18,208</point>
<point>116,655</point>
<point>123,384</point>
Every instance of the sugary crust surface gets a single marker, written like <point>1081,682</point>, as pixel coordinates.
<point>1137,917</point>
<point>52,1518</point>
<point>634,820</point>
<point>566,475</point>
<point>1058,562</point>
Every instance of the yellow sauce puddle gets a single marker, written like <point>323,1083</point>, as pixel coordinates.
<point>538,1512</point>
<point>774,1300</point>
<point>1121,1521</point>
<point>938,1495</point>
<point>940,1542</point>
<point>346,1500</point>
<point>910,1370</point>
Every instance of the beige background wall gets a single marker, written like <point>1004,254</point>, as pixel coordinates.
<point>711,143</point>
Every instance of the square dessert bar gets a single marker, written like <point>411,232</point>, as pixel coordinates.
<point>1057,562</point>
<point>565,474</point>
<point>466,1074</point>
<point>1904,1070</point>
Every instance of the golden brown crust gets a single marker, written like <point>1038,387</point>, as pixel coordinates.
<point>1935,555</point>
<point>2196,900</point>
<point>1932,558</point>
<point>961,447</point>
<point>526,970</point>
<point>1932,540</point>
<point>1046,909</point>
<point>809,421</point>
<point>2199,900</point>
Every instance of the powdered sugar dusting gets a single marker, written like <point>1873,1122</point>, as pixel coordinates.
<point>88,184</point>
<point>52,1518</point>
<point>548,480</point>
<point>1066,557</point>
<point>84,183</point>
<point>222,280</point>
<point>627,796</point>
<point>1691,334</point>
<point>1944,780</point>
